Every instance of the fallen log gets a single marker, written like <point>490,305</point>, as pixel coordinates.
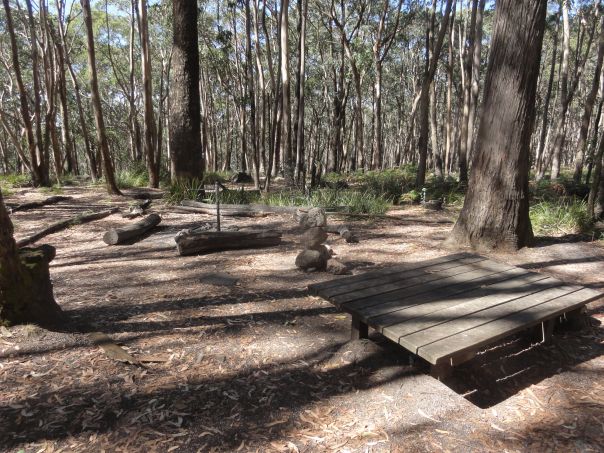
<point>137,209</point>
<point>247,208</point>
<point>191,242</point>
<point>38,204</point>
<point>224,213</point>
<point>61,225</point>
<point>118,235</point>
<point>344,232</point>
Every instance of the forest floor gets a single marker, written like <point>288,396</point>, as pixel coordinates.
<point>247,361</point>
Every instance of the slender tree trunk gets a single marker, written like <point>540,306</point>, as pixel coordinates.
<point>286,121</point>
<point>475,80</point>
<point>467,96</point>
<point>540,158</point>
<point>96,103</point>
<point>588,107</point>
<point>150,131</point>
<point>185,109</point>
<point>35,156</point>
<point>300,83</point>
<point>424,101</point>
<point>496,208</point>
<point>249,65</point>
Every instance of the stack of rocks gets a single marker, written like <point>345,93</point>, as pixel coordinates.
<point>316,255</point>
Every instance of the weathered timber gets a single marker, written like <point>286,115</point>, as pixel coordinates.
<point>344,232</point>
<point>119,235</point>
<point>61,225</point>
<point>137,209</point>
<point>447,309</point>
<point>38,204</point>
<point>191,242</point>
<point>225,213</point>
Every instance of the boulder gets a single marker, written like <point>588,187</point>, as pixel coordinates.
<point>313,259</point>
<point>315,217</point>
<point>313,238</point>
<point>335,267</point>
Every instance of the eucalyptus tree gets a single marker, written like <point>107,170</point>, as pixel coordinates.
<point>185,109</point>
<point>97,107</point>
<point>495,214</point>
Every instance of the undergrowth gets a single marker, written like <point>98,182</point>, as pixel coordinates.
<point>560,217</point>
<point>13,181</point>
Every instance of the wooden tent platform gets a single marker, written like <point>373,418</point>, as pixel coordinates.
<point>446,309</point>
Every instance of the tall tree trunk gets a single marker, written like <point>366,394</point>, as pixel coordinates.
<point>90,156</point>
<point>185,106</point>
<point>150,130</point>
<point>286,120</point>
<point>588,107</point>
<point>467,96</point>
<point>96,103</point>
<point>300,99</point>
<point>42,156</point>
<point>35,156</point>
<point>496,208</point>
<point>424,101</point>
<point>540,157</point>
<point>475,79</point>
<point>249,79</point>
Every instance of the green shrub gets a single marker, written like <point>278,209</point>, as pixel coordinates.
<point>136,175</point>
<point>184,190</point>
<point>390,184</point>
<point>413,196</point>
<point>211,177</point>
<point>234,196</point>
<point>14,181</point>
<point>331,199</point>
<point>565,216</point>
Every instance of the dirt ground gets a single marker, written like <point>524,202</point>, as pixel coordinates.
<point>245,360</point>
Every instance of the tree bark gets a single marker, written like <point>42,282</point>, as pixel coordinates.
<point>119,235</point>
<point>191,242</point>
<point>35,156</point>
<point>185,107</point>
<point>495,214</point>
<point>96,103</point>
<point>588,107</point>
<point>424,101</point>
<point>25,286</point>
<point>286,120</point>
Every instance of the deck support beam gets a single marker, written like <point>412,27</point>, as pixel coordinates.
<point>359,329</point>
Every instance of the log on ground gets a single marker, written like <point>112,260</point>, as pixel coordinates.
<point>193,242</point>
<point>61,225</point>
<point>119,235</point>
<point>38,204</point>
<point>224,213</point>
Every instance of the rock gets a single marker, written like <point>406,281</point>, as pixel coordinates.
<point>435,205</point>
<point>308,259</point>
<point>315,217</point>
<point>313,238</point>
<point>241,178</point>
<point>335,267</point>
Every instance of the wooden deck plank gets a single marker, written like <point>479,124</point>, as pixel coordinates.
<point>490,331</point>
<point>423,311</point>
<point>417,284</point>
<point>316,288</point>
<point>356,287</point>
<point>433,297</point>
<point>465,316</point>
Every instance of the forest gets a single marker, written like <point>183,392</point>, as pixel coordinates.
<point>298,226</point>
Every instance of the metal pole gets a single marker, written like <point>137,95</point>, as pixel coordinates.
<point>217,191</point>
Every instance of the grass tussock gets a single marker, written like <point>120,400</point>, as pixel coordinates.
<point>560,217</point>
